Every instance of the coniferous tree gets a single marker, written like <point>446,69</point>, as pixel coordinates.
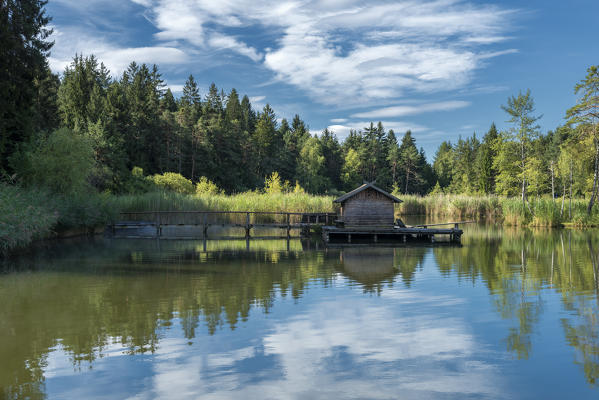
<point>443,164</point>
<point>484,162</point>
<point>265,141</point>
<point>393,156</point>
<point>411,176</point>
<point>23,51</point>
<point>331,151</point>
<point>464,173</point>
<point>191,93</point>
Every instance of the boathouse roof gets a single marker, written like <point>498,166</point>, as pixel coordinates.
<point>365,186</point>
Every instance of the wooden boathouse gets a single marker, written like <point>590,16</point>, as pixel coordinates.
<point>367,215</point>
<point>367,206</point>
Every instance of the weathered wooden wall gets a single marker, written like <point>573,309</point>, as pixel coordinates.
<point>368,208</point>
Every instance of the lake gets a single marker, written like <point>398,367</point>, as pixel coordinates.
<point>511,313</point>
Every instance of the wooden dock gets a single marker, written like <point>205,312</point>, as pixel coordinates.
<point>198,224</point>
<point>397,234</point>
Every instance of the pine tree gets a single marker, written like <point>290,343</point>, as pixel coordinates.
<point>23,52</point>
<point>411,176</point>
<point>191,94</point>
<point>443,164</point>
<point>331,151</point>
<point>484,162</point>
<point>393,156</point>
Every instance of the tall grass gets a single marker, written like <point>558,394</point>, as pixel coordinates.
<point>27,214</point>
<point>249,201</point>
<point>508,211</point>
<point>450,206</point>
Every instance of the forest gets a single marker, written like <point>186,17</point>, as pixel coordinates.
<point>78,138</point>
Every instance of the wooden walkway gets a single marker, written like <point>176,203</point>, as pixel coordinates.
<point>419,233</point>
<point>155,223</point>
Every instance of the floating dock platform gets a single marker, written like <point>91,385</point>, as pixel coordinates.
<point>397,234</point>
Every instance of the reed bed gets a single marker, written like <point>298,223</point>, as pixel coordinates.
<point>249,201</point>
<point>542,211</point>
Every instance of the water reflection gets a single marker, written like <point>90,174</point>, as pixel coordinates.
<point>218,320</point>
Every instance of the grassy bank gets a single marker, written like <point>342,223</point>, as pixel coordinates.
<point>249,201</point>
<point>30,214</point>
<point>507,211</point>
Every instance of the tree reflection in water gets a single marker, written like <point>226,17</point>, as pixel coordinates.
<point>86,297</point>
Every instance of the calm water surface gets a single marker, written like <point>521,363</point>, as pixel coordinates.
<point>510,314</point>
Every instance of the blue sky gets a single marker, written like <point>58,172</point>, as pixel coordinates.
<point>440,68</point>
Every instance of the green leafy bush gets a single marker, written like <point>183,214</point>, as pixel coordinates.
<point>62,162</point>
<point>174,182</point>
<point>207,187</point>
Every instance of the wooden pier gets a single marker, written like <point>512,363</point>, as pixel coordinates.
<point>397,234</point>
<point>199,224</point>
<point>366,216</point>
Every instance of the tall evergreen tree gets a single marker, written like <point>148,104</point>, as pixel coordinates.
<point>331,151</point>
<point>393,156</point>
<point>191,93</point>
<point>411,176</point>
<point>23,51</point>
<point>484,162</point>
<point>443,164</point>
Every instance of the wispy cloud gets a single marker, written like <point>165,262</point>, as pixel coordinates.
<point>399,127</point>
<point>73,41</point>
<point>404,110</point>
<point>342,52</point>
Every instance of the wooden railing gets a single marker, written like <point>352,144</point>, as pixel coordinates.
<point>238,219</point>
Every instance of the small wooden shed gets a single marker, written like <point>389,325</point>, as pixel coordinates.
<point>368,206</point>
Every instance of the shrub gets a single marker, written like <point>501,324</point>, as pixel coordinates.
<point>62,162</point>
<point>206,186</point>
<point>174,182</point>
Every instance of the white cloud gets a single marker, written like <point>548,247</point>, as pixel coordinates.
<point>228,42</point>
<point>74,41</point>
<point>175,88</point>
<point>342,52</point>
<point>256,99</point>
<point>395,351</point>
<point>339,120</point>
<point>403,110</point>
<point>399,127</point>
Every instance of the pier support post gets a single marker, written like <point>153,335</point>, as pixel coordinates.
<point>158,227</point>
<point>247,225</point>
<point>432,238</point>
<point>375,238</point>
<point>288,228</point>
<point>349,238</point>
<point>205,223</point>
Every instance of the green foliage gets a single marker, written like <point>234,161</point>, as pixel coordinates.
<point>255,201</point>
<point>443,164</point>
<point>350,173</point>
<point>23,217</point>
<point>311,167</point>
<point>23,93</point>
<point>206,187</point>
<point>28,214</point>
<point>62,162</point>
<point>174,182</point>
<point>274,185</point>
